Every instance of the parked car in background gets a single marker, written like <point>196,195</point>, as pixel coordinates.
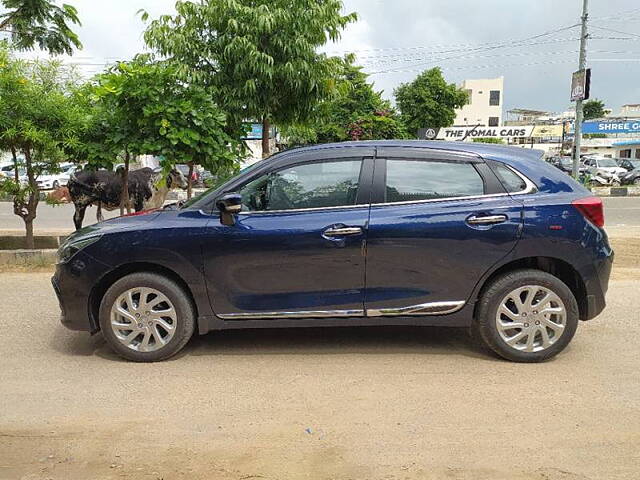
<point>184,169</point>
<point>358,233</point>
<point>628,163</point>
<point>49,181</point>
<point>632,177</point>
<point>605,167</point>
<point>566,164</point>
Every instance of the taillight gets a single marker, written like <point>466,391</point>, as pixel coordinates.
<point>592,209</point>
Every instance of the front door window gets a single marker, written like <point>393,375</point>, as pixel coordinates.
<point>312,185</point>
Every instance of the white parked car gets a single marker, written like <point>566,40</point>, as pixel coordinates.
<point>606,167</point>
<point>55,180</point>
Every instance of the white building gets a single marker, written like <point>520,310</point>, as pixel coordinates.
<point>485,103</point>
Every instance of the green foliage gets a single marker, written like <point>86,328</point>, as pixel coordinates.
<point>142,107</point>
<point>259,56</point>
<point>40,23</point>
<point>593,109</point>
<point>38,122</point>
<point>354,112</point>
<point>429,101</point>
<point>488,140</point>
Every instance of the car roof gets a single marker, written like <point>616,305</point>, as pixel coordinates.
<point>485,150</point>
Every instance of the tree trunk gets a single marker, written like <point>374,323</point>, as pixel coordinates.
<point>266,150</point>
<point>16,177</point>
<point>29,210</point>
<point>124,200</point>
<point>190,180</point>
<point>29,241</point>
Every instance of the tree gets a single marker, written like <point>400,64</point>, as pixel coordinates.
<point>429,101</point>
<point>38,120</point>
<point>489,140</point>
<point>259,56</point>
<point>41,23</point>
<point>593,109</point>
<point>354,112</point>
<point>141,107</point>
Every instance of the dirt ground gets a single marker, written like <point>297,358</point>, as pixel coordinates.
<point>350,403</point>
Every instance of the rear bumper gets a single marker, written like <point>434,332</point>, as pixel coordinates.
<point>596,286</point>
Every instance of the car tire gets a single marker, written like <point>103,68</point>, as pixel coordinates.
<point>499,294</point>
<point>636,181</point>
<point>163,313</point>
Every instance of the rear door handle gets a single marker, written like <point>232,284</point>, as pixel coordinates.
<point>486,219</point>
<point>341,231</point>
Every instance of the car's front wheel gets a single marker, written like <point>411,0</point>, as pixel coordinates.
<point>146,317</point>
<point>526,316</point>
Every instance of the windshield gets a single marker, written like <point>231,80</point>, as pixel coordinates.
<point>635,163</point>
<point>566,161</point>
<point>607,162</point>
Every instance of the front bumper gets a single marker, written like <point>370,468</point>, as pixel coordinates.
<point>73,283</point>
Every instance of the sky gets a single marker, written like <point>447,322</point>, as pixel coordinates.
<point>533,44</point>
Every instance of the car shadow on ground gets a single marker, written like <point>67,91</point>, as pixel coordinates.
<point>300,341</point>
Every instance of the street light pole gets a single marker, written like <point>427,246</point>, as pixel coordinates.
<point>577,138</point>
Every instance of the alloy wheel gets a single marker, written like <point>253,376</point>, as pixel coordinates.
<point>531,318</point>
<point>143,319</point>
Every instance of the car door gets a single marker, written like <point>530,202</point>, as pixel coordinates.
<point>297,247</point>
<point>438,222</point>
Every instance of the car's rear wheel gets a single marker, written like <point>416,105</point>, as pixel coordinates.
<point>636,181</point>
<point>146,317</point>
<point>526,316</point>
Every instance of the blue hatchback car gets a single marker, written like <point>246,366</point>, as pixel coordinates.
<point>359,233</point>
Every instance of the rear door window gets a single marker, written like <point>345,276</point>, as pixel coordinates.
<point>414,180</point>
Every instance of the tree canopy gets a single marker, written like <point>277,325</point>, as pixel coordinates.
<point>429,101</point>
<point>38,123</point>
<point>354,112</point>
<point>593,109</point>
<point>40,23</point>
<point>259,56</point>
<point>142,107</point>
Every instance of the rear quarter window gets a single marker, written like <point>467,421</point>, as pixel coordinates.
<point>511,181</point>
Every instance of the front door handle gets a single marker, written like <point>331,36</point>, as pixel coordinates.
<point>486,219</point>
<point>342,231</point>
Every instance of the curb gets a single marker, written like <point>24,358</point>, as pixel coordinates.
<point>40,257</point>
<point>616,191</point>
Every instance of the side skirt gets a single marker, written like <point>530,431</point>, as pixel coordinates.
<point>462,317</point>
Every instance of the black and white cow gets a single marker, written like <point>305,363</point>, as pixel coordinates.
<point>104,189</point>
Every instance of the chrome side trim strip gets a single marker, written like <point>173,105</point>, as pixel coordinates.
<point>432,308</point>
<point>296,210</point>
<point>300,314</point>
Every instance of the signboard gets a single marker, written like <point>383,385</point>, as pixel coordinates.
<point>540,131</point>
<point>255,133</point>
<point>580,83</point>
<point>468,133</point>
<point>627,126</point>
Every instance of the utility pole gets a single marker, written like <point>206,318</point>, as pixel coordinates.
<point>581,66</point>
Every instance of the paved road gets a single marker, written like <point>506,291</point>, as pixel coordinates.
<point>368,403</point>
<point>619,211</point>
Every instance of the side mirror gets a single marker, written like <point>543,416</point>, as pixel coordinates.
<point>229,205</point>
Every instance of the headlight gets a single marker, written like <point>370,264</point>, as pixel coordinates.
<point>68,250</point>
